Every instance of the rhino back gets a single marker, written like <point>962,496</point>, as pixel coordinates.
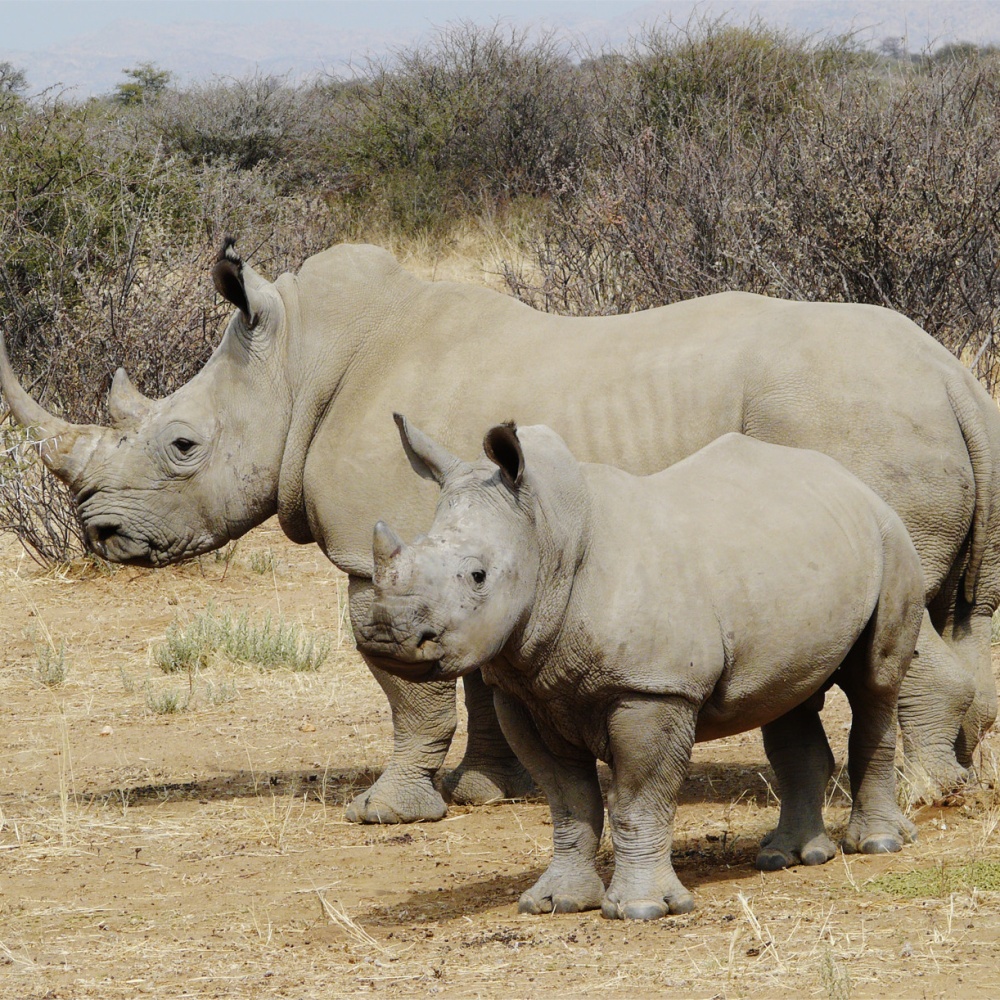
<point>739,579</point>
<point>641,391</point>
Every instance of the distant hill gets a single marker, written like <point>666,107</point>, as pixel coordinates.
<point>92,62</point>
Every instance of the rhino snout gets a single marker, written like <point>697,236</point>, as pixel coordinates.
<point>105,537</point>
<point>405,646</point>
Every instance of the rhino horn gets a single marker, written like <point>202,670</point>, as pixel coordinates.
<point>64,447</point>
<point>386,545</point>
<point>125,402</point>
<point>428,459</point>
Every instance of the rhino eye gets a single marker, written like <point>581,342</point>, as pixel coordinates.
<point>478,577</point>
<point>183,445</point>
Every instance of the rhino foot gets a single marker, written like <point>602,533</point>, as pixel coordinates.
<point>395,800</point>
<point>566,894</point>
<point>646,909</point>
<point>935,783</point>
<point>885,837</point>
<point>778,852</point>
<point>475,784</point>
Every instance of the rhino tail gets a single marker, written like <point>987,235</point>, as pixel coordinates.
<point>977,443</point>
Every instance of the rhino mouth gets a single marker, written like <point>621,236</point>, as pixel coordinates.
<point>106,539</point>
<point>410,656</point>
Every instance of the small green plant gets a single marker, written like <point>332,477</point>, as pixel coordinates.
<point>50,666</point>
<point>267,644</point>
<point>262,562</point>
<point>167,702</point>
<point>836,979</point>
<point>940,881</point>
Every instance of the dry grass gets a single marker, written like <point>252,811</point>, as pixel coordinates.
<point>204,854</point>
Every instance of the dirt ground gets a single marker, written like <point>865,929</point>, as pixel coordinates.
<point>203,852</point>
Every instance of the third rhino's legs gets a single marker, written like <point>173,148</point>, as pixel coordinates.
<point>489,769</point>
<point>800,755</point>
<point>971,641</point>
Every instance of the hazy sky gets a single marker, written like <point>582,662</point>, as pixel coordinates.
<point>82,47</point>
<point>37,24</point>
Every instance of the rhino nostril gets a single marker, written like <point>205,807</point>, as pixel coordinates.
<point>426,637</point>
<point>102,532</point>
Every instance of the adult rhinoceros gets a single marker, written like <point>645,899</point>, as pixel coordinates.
<point>293,415</point>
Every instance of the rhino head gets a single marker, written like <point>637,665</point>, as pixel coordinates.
<point>175,477</point>
<point>448,602</point>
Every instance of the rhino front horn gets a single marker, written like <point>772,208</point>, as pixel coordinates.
<point>125,402</point>
<point>64,447</point>
<point>386,545</point>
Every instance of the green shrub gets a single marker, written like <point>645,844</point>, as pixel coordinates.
<point>266,644</point>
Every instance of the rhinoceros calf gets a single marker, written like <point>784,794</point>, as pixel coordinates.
<point>625,618</point>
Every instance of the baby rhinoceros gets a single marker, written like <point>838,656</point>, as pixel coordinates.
<point>624,618</point>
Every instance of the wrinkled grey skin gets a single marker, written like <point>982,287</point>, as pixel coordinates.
<point>623,618</point>
<point>291,415</point>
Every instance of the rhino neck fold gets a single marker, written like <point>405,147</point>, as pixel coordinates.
<point>563,523</point>
<point>344,301</point>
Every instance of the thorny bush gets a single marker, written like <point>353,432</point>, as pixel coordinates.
<point>700,159</point>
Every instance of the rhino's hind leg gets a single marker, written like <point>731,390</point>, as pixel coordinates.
<point>972,643</point>
<point>650,741</point>
<point>489,769</point>
<point>568,776</point>
<point>800,755</point>
<point>870,677</point>
<point>934,701</point>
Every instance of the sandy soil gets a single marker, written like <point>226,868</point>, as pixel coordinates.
<point>203,853</point>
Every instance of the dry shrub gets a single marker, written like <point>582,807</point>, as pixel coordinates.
<point>478,115</point>
<point>882,187</point>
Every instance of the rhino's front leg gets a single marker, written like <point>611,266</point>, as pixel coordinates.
<point>423,723</point>
<point>489,769</point>
<point>568,776</point>
<point>650,741</point>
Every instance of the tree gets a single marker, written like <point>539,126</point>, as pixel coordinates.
<point>147,82</point>
<point>12,79</point>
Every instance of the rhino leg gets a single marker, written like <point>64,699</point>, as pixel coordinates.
<point>650,741</point>
<point>568,776</point>
<point>489,770</point>
<point>800,755</point>
<point>423,723</point>
<point>972,643</point>
<point>935,699</point>
<point>870,677</point>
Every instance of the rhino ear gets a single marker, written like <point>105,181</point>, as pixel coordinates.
<point>503,448</point>
<point>427,458</point>
<point>227,275</point>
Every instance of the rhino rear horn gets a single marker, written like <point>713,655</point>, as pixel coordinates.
<point>428,459</point>
<point>227,276</point>
<point>503,448</point>
<point>125,402</point>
